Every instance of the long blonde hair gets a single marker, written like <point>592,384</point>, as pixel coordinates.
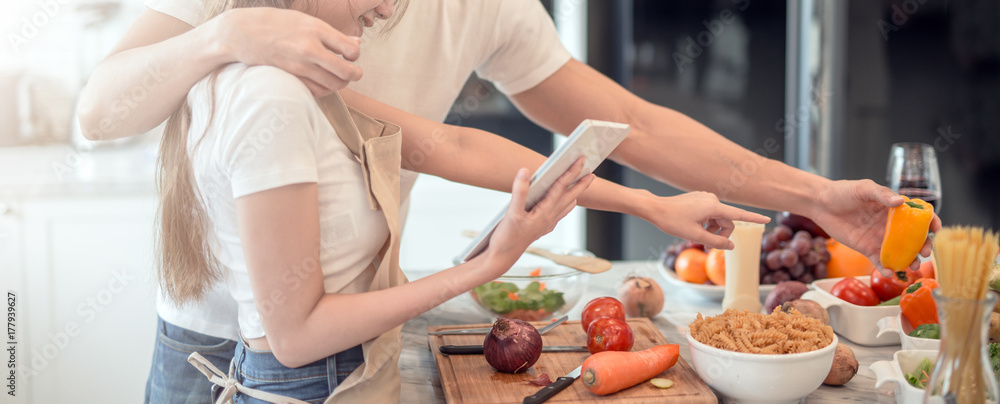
<point>186,267</point>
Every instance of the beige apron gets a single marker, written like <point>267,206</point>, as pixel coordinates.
<point>376,144</point>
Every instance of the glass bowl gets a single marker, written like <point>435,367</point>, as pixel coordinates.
<point>521,294</point>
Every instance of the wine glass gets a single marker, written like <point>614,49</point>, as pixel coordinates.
<point>913,172</point>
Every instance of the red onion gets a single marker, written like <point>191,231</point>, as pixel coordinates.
<point>512,346</point>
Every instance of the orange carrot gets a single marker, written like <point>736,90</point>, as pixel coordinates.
<point>536,272</point>
<point>611,371</point>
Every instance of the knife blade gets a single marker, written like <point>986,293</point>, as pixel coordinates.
<point>478,349</point>
<point>542,330</point>
<point>553,388</point>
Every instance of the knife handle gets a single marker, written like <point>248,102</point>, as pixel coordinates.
<point>461,349</point>
<point>548,391</point>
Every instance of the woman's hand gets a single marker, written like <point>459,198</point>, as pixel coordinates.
<point>699,217</point>
<point>519,227</point>
<point>291,41</point>
<point>854,213</point>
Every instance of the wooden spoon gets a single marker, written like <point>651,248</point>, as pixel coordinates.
<point>592,265</point>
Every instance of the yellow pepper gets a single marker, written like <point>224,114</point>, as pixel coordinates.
<point>905,232</point>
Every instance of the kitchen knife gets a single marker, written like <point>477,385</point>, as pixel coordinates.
<point>542,330</point>
<point>478,349</point>
<point>553,388</point>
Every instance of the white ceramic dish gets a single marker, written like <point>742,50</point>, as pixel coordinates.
<point>758,378</point>
<point>897,324</point>
<point>895,370</point>
<point>711,292</point>
<point>859,324</point>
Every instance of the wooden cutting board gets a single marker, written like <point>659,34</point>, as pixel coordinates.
<point>469,379</point>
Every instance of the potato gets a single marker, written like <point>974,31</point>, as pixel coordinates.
<point>994,327</point>
<point>845,366</point>
<point>808,308</point>
<point>784,292</point>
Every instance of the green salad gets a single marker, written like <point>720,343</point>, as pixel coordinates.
<point>922,374</point>
<point>505,297</point>
<point>931,331</point>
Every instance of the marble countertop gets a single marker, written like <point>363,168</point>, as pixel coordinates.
<point>421,383</point>
<point>64,170</point>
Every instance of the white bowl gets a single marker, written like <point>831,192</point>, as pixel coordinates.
<point>859,324</point>
<point>899,325</point>
<point>710,292</point>
<point>895,370</point>
<point>759,378</point>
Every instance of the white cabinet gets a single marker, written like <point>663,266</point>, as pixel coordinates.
<point>87,296</point>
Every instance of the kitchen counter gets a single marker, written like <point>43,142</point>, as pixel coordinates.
<point>421,383</point>
<point>61,170</point>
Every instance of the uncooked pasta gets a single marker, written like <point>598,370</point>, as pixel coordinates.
<point>964,258</point>
<point>759,333</point>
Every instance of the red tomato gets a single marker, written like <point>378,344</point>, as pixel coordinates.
<point>887,287</point>
<point>602,307</point>
<point>609,334</point>
<point>854,291</point>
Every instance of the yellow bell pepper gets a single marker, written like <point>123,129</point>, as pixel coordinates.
<point>905,232</point>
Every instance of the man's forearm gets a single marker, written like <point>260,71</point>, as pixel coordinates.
<point>666,144</point>
<point>695,157</point>
<point>121,99</point>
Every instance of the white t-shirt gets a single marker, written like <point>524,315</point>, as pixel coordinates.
<point>419,67</point>
<point>267,131</point>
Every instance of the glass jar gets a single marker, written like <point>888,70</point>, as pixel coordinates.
<point>963,373</point>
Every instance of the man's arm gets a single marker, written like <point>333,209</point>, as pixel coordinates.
<point>159,59</point>
<point>474,157</point>
<point>675,149</point>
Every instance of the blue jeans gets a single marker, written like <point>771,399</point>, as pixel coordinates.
<point>171,378</point>
<point>311,383</point>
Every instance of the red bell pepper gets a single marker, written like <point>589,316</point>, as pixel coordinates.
<point>917,304</point>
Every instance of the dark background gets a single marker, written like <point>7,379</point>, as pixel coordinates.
<point>933,75</point>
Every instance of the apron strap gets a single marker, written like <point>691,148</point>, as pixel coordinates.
<point>231,386</point>
<point>355,129</point>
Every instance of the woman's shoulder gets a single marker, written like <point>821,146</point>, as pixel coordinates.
<point>254,81</point>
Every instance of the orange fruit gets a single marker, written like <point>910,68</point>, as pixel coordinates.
<point>845,262</point>
<point>715,266</point>
<point>927,269</point>
<point>690,266</point>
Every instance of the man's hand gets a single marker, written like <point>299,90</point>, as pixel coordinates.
<point>699,217</point>
<point>855,212</point>
<point>292,41</point>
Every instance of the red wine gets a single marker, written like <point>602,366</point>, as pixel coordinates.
<point>931,197</point>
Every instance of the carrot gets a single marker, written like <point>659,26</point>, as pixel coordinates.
<point>611,371</point>
<point>536,272</point>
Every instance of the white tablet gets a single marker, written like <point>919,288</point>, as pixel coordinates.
<point>593,139</point>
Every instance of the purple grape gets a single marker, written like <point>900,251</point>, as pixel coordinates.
<point>824,256</point>
<point>773,260</point>
<point>803,234</point>
<point>807,278</point>
<point>811,258</point>
<point>819,242</point>
<point>797,270</point>
<point>783,233</point>
<point>789,258</point>
<point>669,257</point>
<point>819,271</point>
<point>800,246</point>
<point>768,279</point>
<point>781,276</point>
<point>769,242</point>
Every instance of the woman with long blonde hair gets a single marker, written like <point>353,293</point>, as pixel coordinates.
<point>294,203</point>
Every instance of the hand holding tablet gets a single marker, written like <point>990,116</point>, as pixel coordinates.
<point>593,140</point>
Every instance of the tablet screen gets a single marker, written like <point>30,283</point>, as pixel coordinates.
<point>592,139</point>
